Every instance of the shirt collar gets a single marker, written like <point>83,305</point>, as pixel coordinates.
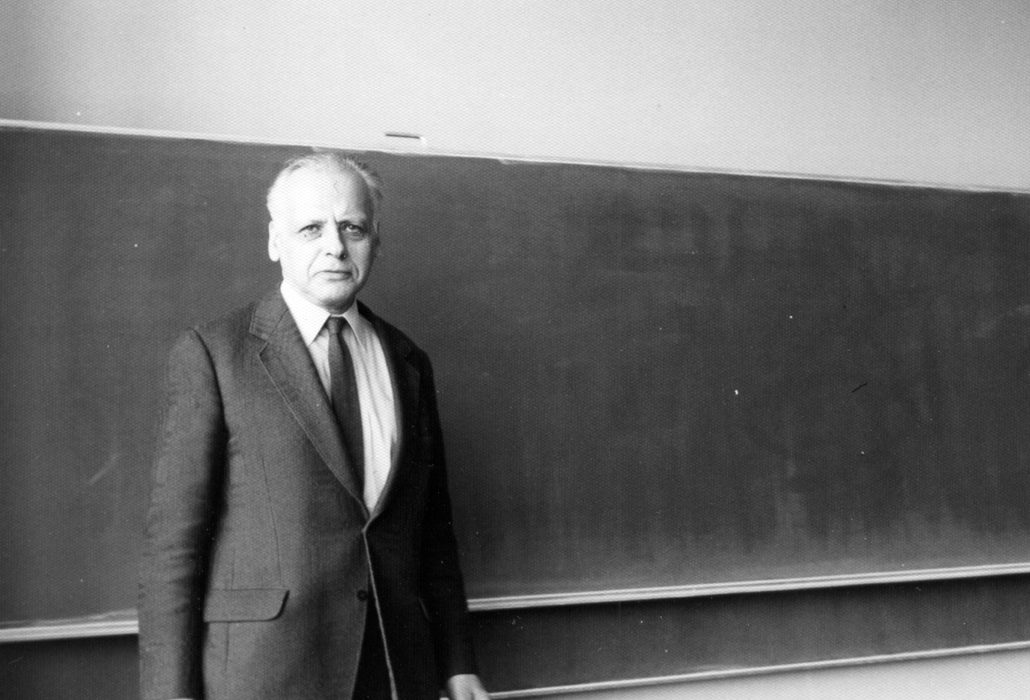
<point>310,317</point>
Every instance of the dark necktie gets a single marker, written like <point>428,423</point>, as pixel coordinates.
<point>344,395</point>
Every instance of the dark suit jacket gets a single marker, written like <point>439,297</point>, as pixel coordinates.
<point>260,552</point>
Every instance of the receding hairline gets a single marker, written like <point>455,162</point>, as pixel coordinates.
<point>327,162</point>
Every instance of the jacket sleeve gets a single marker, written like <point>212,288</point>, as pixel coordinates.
<point>442,584</point>
<point>186,480</point>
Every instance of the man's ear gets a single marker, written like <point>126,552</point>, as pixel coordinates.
<point>273,249</point>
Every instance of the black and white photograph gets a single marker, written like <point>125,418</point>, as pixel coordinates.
<point>577,351</point>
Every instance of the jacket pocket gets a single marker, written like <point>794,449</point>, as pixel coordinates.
<point>244,604</point>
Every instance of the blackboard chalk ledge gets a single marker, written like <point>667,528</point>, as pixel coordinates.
<point>738,587</point>
<point>124,622</point>
<point>113,624</point>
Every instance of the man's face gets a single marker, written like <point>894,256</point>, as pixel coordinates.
<point>322,235</point>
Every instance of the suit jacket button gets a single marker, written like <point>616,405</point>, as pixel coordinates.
<point>362,595</point>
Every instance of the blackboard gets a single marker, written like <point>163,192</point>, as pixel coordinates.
<point>647,378</point>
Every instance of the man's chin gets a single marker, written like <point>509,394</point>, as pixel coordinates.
<point>337,302</point>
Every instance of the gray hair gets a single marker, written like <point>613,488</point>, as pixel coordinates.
<point>326,161</point>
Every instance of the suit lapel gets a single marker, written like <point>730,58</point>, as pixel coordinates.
<point>406,386</point>
<point>290,368</point>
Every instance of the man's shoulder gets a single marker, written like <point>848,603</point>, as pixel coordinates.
<point>240,322</point>
<point>231,324</point>
<point>391,335</point>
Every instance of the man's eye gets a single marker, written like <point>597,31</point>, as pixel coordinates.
<point>354,230</point>
<point>309,231</point>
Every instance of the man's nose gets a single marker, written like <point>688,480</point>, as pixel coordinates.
<point>334,244</point>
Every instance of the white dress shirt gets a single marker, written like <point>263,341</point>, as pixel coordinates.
<point>375,386</point>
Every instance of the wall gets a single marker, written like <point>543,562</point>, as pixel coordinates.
<point>916,91</point>
<point>105,668</point>
<point>1002,676</point>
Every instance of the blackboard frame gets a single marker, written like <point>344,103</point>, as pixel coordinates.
<point>227,156</point>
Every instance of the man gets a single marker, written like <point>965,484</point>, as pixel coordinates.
<point>299,539</point>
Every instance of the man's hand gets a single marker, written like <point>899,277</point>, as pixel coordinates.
<point>466,686</point>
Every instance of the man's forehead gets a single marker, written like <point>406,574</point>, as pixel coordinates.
<point>310,184</point>
<point>336,179</point>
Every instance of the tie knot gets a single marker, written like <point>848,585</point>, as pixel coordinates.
<point>336,324</point>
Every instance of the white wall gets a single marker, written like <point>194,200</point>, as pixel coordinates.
<point>993,676</point>
<point>916,90</point>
